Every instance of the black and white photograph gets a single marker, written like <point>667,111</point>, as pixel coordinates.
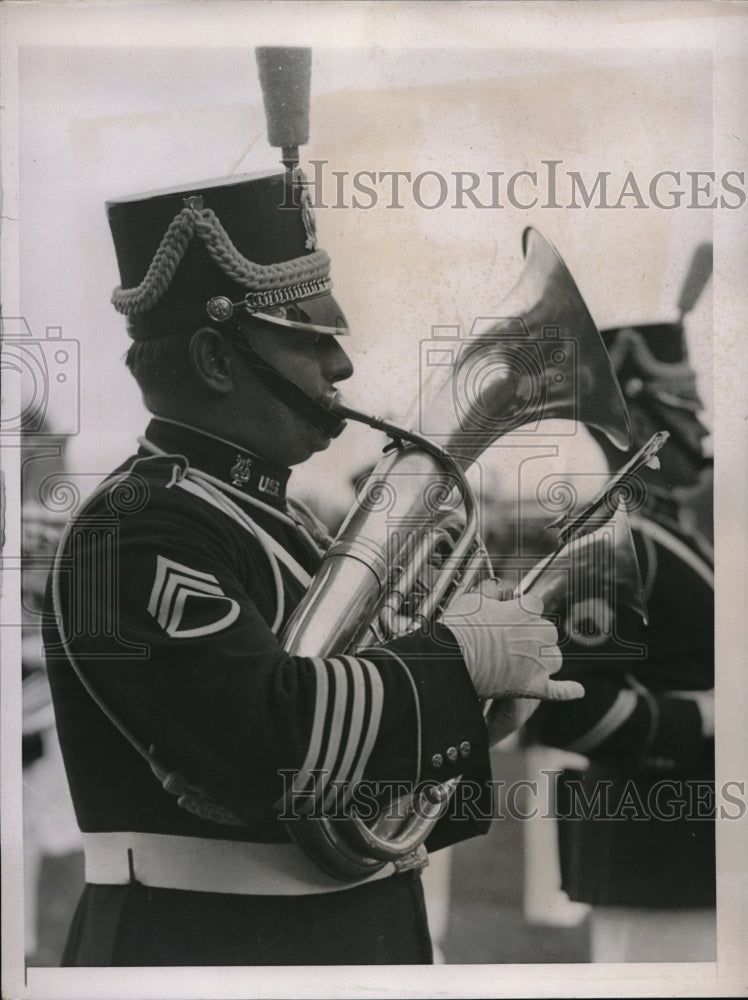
<point>373,453</point>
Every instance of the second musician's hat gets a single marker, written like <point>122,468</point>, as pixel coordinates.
<point>207,252</point>
<point>659,385</point>
<point>651,360</point>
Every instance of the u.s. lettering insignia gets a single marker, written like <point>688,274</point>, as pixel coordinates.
<point>241,471</point>
<point>269,485</point>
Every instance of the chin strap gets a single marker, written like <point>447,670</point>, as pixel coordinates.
<point>288,392</point>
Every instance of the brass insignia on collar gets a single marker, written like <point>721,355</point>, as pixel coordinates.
<point>241,471</point>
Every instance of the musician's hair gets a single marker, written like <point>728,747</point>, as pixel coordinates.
<point>160,365</point>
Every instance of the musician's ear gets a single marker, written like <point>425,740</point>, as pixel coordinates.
<point>211,360</point>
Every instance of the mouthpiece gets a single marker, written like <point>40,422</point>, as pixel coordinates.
<point>334,401</point>
<point>331,399</point>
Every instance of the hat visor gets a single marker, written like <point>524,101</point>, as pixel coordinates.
<point>320,314</point>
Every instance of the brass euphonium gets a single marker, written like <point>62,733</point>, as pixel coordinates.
<point>544,360</point>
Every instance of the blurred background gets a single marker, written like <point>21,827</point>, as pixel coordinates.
<point>134,108</point>
<point>103,122</point>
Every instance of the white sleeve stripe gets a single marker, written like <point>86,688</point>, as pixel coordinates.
<point>336,725</point>
<point>354,708</point>
<point>318,724</point>
<point>618,713</point>
<point>356,720</point>
<point>416,703</point>
<point>375,717</point>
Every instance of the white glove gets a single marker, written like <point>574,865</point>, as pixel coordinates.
<point>508,648</point>
<point>510,653</point>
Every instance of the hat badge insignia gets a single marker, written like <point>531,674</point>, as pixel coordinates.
<point>219,308</point>
<point>241,471</point>
<point>307,209</point>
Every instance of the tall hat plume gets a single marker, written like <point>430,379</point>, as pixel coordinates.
<point>285,78</point>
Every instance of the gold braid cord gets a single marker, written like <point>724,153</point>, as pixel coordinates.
<point>203,223</point>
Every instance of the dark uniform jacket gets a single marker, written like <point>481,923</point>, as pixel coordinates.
<point>637,827</point>
<point>167,604</point>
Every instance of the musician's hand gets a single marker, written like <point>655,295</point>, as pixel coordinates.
<point>509,648</point>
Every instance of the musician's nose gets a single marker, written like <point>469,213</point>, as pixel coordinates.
<point>336,365</point>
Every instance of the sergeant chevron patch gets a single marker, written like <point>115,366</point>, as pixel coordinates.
<point>188,603</point>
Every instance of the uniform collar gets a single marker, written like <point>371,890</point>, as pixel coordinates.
<point>222,459</point>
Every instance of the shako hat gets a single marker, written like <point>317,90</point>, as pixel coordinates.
<point>655,356</point>
<point>658,384</point>
<point>651,359</point>
<point>206,253</point>
<point>652,364</point>
<point>196,254</point>
<point>199,253</point>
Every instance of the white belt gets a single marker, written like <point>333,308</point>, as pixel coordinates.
<point>199,865</point>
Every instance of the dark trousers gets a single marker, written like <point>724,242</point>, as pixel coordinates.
<point>381,923</point>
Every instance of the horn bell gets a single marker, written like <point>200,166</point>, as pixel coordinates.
<point>542,359</point>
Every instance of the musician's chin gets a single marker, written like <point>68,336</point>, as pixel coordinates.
<point>308,441</point>
<point>322,439</point>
